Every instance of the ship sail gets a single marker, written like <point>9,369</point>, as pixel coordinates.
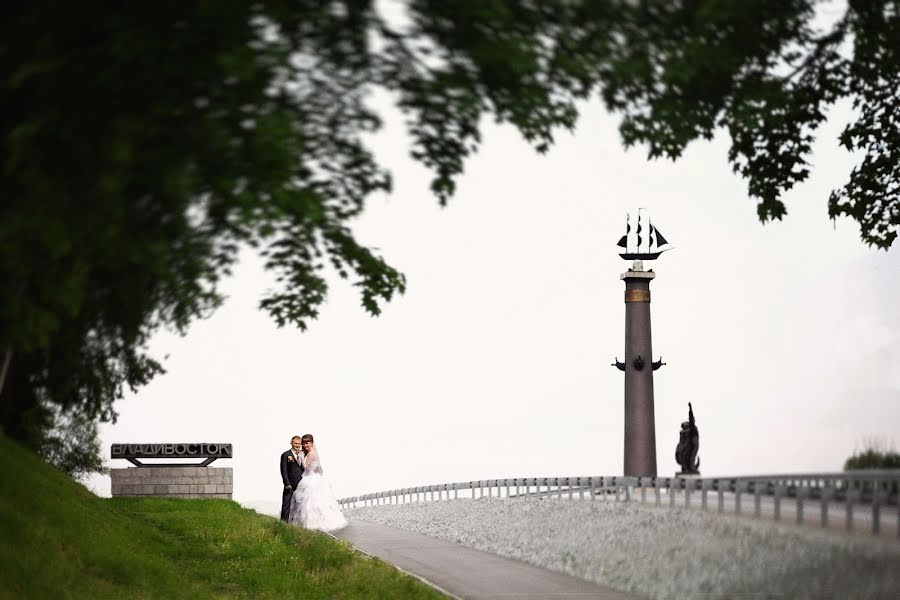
<point>661,244</point>
<point>639,233</point>
<point>623,242</point>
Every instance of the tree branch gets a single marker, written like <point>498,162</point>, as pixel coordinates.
<point>821,44</point>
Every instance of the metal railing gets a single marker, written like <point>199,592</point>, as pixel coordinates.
<point>861,496</point>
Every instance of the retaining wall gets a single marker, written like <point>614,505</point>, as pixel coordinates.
<point>173,482</point>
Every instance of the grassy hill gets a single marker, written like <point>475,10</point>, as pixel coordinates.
<point>58,540</point>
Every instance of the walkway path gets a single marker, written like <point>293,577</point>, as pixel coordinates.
<point>466,573</point>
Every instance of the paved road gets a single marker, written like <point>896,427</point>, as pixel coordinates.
<point>467,573</point>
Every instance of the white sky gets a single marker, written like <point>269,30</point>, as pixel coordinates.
<point>496,362</point>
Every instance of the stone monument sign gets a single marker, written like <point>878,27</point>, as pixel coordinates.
<point>173,479</point>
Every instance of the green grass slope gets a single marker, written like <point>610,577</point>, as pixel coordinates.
<point>58,540</point>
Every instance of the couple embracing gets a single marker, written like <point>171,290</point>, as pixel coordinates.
<point>307,499</point>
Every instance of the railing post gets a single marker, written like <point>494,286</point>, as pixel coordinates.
<point>802,491</point>
<point>848,500</point>
<point>757,495</point>
<point>721,498</point>
<point>672,483</point>
<point>892,490</point>
<point>777,515</point>
<point>658,493</point>
<point>738,490</point>
<point>704,489</point>
<point>876,507</point>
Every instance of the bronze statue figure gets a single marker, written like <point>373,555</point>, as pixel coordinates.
<point>688,446</point>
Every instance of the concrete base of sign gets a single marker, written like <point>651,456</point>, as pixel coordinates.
<point>173,482</point>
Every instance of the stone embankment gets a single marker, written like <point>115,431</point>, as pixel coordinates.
<point>659,552</point>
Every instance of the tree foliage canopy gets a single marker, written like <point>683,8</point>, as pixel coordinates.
<point>144,144</point>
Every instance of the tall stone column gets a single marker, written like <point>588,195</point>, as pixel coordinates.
<point>640,430</point>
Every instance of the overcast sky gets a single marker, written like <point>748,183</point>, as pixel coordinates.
<point>496,362</point>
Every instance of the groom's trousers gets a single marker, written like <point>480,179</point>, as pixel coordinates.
<point>286,496</point>
<point>286,504</point>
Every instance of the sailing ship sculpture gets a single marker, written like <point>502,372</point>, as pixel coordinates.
<point>635,246</point>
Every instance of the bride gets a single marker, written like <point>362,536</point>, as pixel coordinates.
<point>313,505</point>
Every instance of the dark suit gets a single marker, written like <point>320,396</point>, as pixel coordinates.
<point>291,474</point>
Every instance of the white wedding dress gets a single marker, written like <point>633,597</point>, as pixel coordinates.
<point>313,505</point>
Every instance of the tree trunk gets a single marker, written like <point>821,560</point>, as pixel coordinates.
<point>7,357</point>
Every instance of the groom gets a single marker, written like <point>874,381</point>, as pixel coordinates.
<point>291,474</point>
